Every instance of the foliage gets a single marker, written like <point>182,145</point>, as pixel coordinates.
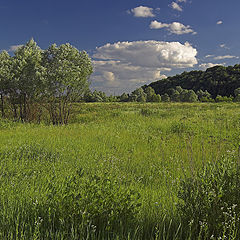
<point>223,99</point>
<point>98,96</point>
<point>28,82</point>
<point>218,80</point>
<point>33,80</point>
<point>67,74</point>
<point>5,77</point>
<point>138,96</point>
<point>165,98</point>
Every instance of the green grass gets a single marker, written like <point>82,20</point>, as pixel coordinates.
<point>115,172</point>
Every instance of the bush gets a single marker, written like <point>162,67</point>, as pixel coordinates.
<point>223,99</point>
<point>211,201</point>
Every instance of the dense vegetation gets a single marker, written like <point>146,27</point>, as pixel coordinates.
<point>218,80</point>
<point>216,84</point>
<point>34,80</point>
<point>123,171</point>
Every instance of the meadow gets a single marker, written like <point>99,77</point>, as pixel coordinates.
<point>123,171</point>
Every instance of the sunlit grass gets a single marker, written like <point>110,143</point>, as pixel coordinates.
<point>145,148</point>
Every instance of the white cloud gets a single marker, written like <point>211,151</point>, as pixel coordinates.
<point>109,76</point>
<point>204,66</point>
<point>224,57</point>
<point>209,56</point>
<point>223,46</point>
<point>123,66</point>
<point>175,27</point>
<point>13,48</point>
<point>142,11</point>
<point>182,1</point>
<point>176,6</point>
<point>219,22</point>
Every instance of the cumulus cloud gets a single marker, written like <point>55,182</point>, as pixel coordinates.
<point>142,11</point>
<point>175,27</point>
<point>224,57</point>
<point>123,66</point>
<point>204,66</point>
<point>109,76</point>
<point>219,22</point>
<point>13,48</point>
<point>176,6</point>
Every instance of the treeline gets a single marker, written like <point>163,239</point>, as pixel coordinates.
<point>216,84</point>
<point>35,80</point>
<point>218,81</point>
<point>148,94</point>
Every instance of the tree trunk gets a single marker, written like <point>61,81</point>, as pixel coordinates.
<point>2,105</point>
<point>24,107</point>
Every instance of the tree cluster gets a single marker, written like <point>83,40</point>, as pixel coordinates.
<point>98,96</point>
<point>218,80</point>
<point>35,80</point>
<point>141,95</point>
<point>177,94</point>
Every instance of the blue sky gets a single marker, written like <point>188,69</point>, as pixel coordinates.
<point>131,42</point>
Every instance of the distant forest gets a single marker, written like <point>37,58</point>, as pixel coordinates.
<point>216,84</point>
<point>218,80</point>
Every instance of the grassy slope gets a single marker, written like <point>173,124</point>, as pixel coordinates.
<point>152,146</point>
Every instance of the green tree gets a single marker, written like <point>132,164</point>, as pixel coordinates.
<point>237,98</point>
<point>157,98</point>
<point>192,96</point>
<point>175,96</point>
<point>184,95</point>
<point>237,91</point>
<point>28,75</point>
<point>67,74</point>
<point>138,95</point>
<point>5,77</point>
<point>150,94</point>
<point>203,96</point>
<point>179,89</point>
<point>165,98</point>
<point>124,97</point>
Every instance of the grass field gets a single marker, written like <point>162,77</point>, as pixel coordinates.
<point>123,171</point>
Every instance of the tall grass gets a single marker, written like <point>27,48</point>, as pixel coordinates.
<point>123,171</point>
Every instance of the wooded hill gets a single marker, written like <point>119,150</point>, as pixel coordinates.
<point>218,80</point>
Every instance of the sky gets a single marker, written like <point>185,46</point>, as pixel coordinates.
<point>130,42</point>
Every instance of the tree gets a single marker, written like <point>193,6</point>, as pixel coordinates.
<point>203,96</point>
<point>237,98</point>
<point>192,96</point>
<point>179,89</point>
<point>124,97</point>
<point>5,76</point>
<point>28,75</point>
<point>67,74</point>
<point>157,98</point>
<point>175,97</point>
<point>184,95</point>
<point>150,94</point>
<point>237,91</point>
<point>138,95</point>
<point>165,98</point>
